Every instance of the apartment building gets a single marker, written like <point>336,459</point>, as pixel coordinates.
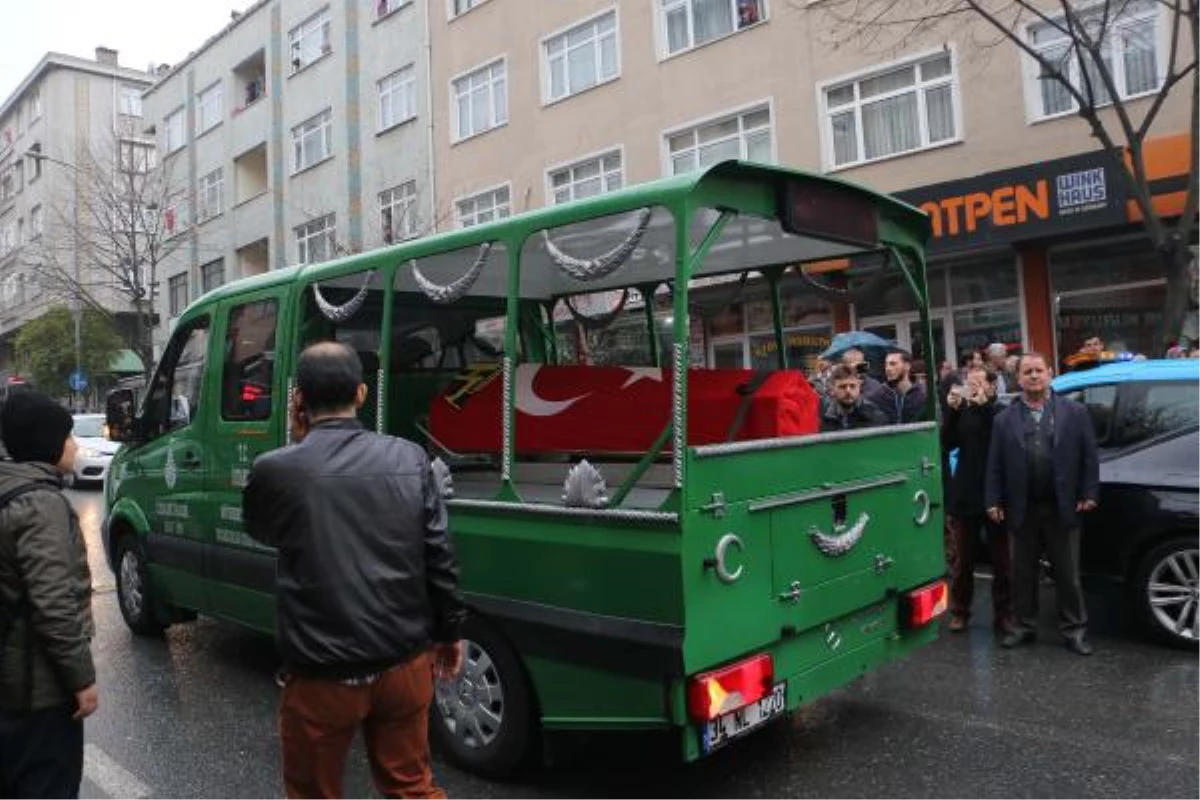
<point>67,114</point>
<point>298,133</point>
<point>1034,246</point>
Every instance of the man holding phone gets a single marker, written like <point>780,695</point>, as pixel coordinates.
<point>369,608</point>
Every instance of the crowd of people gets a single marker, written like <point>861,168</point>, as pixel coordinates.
<point>1022,476</point>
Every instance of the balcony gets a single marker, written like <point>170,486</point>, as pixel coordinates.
<point>251,220</point>
<point>250,117</point>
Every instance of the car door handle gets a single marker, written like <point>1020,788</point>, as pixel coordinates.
<point>190,460</point>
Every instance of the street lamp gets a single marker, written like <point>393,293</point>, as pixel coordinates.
<point>78,310</point>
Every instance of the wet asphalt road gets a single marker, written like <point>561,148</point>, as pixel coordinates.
<point>192,715</point>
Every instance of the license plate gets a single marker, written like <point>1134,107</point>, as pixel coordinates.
<point>727,727</point>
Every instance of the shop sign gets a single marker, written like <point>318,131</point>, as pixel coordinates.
<point>1059,196</point>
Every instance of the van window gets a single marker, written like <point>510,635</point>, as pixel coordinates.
<point>175,393</point>
<point>1153,408</point>
<point>249,370</point>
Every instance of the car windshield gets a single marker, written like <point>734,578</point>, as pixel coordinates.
<point>89,427</point>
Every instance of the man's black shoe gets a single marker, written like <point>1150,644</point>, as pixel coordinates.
<point>1079,645</point>
<point>1017,637</point>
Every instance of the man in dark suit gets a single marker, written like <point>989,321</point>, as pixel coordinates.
<point>1043,472</point>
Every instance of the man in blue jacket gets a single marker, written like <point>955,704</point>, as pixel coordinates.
<point>1043,472</point>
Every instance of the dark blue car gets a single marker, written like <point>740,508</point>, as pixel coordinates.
<point>1147,420</point>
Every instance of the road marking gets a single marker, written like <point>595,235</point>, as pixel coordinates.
<point>109,776</point>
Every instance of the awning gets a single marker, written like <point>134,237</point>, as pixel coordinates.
<point>125,362</point>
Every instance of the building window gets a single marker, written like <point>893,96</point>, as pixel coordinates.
<point>397,98</point>
<point>462,6</point>
<point>175,215</point>
<point>36,222</point>
<point>587,178</point>
<point>385,7</point>
<point>581,57</point>
<point>173,126</point>
<point>210,195</point>
<point>310,40</point>
<point>130,101</point>
<point>746,135</point>
<point>898,111</point>
<point>481,99</point>
<point>483,207</point>
<point>316,241</point>
<point>177,294</point>
<point>689,23</point>
<point>398,212</point>
<point>136,157</point>
<point>35,163</point>
<point>208,108</point>
<point>312,141</point>
<point>1128,48</point>
<point>35,104</point>
<point>212,275</point>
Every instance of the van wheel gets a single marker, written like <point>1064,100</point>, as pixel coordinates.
<point>483,718</point>
<point>134,594</point>
<point>1167,591</point>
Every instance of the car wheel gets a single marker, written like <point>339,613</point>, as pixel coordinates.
<point>134,593</point>
<point>1167,584</point>
<point>483,718</point>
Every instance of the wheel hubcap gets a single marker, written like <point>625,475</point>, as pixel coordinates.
<point>471,705</point>
<point>131,585</point>
<point>1174,593</point>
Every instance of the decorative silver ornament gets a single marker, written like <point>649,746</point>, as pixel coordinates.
<point>347,309</point>
<point>595,268</point>
<point>442,477</point>
<point>454,291</point>
<point>585,487</point>
<point>842,539</point>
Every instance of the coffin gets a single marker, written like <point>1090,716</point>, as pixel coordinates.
<point>618,410</point>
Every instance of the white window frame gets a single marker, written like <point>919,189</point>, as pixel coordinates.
<point>310,41</point>
<point>496,117</point>
<point>462,220</point>
<point>135,157</point>
<point>130,100</point>
<point>398,213</point>
<point>210,195</point>
<point>320,126</point>
<point>209,108</point>
<point>174,121</point>
<point>385,8</point>
<point>309,232</point>
<point>471,5</point>
<point>715,119</point>
<point>575,164</point>
<point>175,282</point>
<point>663,7</point>
<point>35,104</point>
<point>1031,70</point>
<point>37,222</point>
<point>205,268</point>
<point>594,43</point>
<point>398,93</point>
<point>919,87</point>
<point>176,218</point>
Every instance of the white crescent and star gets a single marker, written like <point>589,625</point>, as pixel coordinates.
<point>527,401</point>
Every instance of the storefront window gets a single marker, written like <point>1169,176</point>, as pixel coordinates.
<point>985,282</point>
<point>894,296</point>
<point>1109,264</point>
<point>976,328</point>
<point>803,347</point>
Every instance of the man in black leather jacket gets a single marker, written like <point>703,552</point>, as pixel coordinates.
<point>368,602</point>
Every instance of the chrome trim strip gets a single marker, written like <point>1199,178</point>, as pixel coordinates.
<point>754,445</point>
<point>826,490</point>
<point>621,514</point>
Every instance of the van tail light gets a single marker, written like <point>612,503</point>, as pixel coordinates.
<point>711,694</point>
<point>921,606</point>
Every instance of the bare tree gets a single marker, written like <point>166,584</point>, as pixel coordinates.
<point>1085,70</point>
<point>107,235</point>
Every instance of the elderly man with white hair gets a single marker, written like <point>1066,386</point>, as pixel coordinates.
<point>997,359</point>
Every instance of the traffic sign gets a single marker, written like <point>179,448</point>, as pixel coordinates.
<point>78,380</point>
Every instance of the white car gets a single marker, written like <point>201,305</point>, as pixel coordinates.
<point>95,451</point>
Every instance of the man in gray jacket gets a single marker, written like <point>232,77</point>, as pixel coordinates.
<point>47,678</point>
<point>368,603</point>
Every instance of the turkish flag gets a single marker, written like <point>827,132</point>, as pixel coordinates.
<point>582,409</point>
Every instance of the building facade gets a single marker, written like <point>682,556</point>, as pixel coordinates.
<point>298,133</point>
<point>67,116</point>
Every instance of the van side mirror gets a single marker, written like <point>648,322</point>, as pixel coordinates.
<point>118,415</point>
